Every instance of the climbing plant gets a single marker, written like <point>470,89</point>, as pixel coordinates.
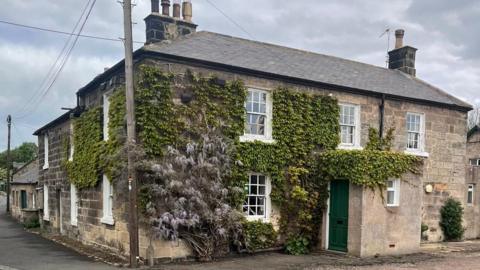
<point>84,170</point>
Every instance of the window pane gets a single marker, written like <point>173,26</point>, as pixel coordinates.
<point>261,179</point>
<point>263,98</point>
<point>261,210</point>
<point>390,184</point>
<point>256,107</point>
<point>390,197</point>
<point>263,108</point>
<point>256,96</point>
<point>253,190</point>
<point>470,196</point>
<point>261,190</point>
<point>261,201</point>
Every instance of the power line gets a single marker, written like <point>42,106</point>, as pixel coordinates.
<point>230,19</point>
<point>62,32</point>
<point>64,61</point>
<point>60,55</point>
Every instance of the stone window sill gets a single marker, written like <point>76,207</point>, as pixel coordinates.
<point>45,166</point>
<point>349,147</point>
<point>247,138</point>
<point>107,220</point>
<point>417,153</point>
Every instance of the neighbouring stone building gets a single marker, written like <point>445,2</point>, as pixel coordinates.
<point>472,197</point>
<point>23,192</point>
<point>428,123</point>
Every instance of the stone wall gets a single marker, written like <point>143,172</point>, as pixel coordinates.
<point>16,210</point>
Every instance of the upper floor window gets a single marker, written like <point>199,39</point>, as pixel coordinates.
<point>470,193</point>
<point>70,156</point>
<point>393,192</point>
<point>45,151</point>
<point>415,132</point>
<point>106,118</point>
<point>349,125</point>
<point>73,205</point>
<point>257,202</point>
<point>475,162</point>
<point>46,213</point>
<point>258,124</point>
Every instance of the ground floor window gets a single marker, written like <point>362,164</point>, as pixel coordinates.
<point>46,214</point>
<point>470,193</point>
<point>107,192</point>
<point>475,161</point>
<point>257,202</point>
<point>393,192</point>
<point>73,205</point>
<point>23,199</point>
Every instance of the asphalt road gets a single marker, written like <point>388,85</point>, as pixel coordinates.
<point>26,251</point>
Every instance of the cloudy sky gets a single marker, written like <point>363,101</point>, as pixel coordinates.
<point>444,31</point>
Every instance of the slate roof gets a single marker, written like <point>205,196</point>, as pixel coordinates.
<point>28,174</point>
<point>262,57</point>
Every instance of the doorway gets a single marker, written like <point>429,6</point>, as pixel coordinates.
<point>338,215</point>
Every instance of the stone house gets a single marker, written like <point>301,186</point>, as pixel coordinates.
<point>472,198</point>
<point>428,123</point>
<point>23,192</point>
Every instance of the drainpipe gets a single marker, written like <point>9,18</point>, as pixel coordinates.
<point>382,116</point>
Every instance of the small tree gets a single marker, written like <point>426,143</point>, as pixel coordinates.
<point>188,198</point>
<point>451,219</point>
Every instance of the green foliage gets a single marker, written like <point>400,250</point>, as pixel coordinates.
<point>377,143</point>
<point>156,120</point>
<point>24,153</point>
<point>259,235</point>
<point>84,170</point>
<point>451,219</point>
<point>32,223</point>
<point>297,245</point>
<point>3,174</point>
<point>368,168</point>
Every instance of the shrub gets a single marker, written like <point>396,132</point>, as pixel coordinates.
<point>31,223</point>
<point>259,235</point>
<point>297,245</point>
<point>451,219</point>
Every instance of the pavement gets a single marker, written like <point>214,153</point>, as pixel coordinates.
<point>21,250</point>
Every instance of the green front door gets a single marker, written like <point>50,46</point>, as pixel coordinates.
<point>338,224</point>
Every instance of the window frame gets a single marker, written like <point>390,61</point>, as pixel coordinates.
<point>477,160</point>
<point>395,188</point>
<point>267,136</point>
<point>45,151</point>
<point>267,200</point>
<point>72,145</point>
<point>46,213</point>
<point>73,205</point>
<point>357,132</point>
<point>421,132</point>
<point>471,190</point>
<point>106,117</point>
<point>107,199</point>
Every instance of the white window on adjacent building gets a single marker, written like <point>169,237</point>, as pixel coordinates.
<point>470,194</point>
<point>257,203</point>
<point>107,191</point>
<point>70,156</point>
<point>415,132</point>
<point>46,213</point>
<point>106,118</point>
<point>258,124</point>
<point>45,151</point>
<point>73,205</point>
<point>475,162</point>
<point>393,192</point>
<point>350,126</point>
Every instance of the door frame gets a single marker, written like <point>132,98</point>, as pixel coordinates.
<point>327,227</point>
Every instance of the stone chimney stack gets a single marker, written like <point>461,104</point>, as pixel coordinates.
<point>163,27</point>
<point>176,9</point>
<point>402,57</point>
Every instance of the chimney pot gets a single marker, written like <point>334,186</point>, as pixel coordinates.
<point>187,10</point>
<point>155,6</point>
<point>399,33</point>
<point>166,7</point>
<point>176,9</point>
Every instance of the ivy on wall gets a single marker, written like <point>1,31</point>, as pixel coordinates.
<point>84,170</point>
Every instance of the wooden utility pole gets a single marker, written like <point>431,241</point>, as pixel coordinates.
<point>131,136</point>
<point>9,123</point>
